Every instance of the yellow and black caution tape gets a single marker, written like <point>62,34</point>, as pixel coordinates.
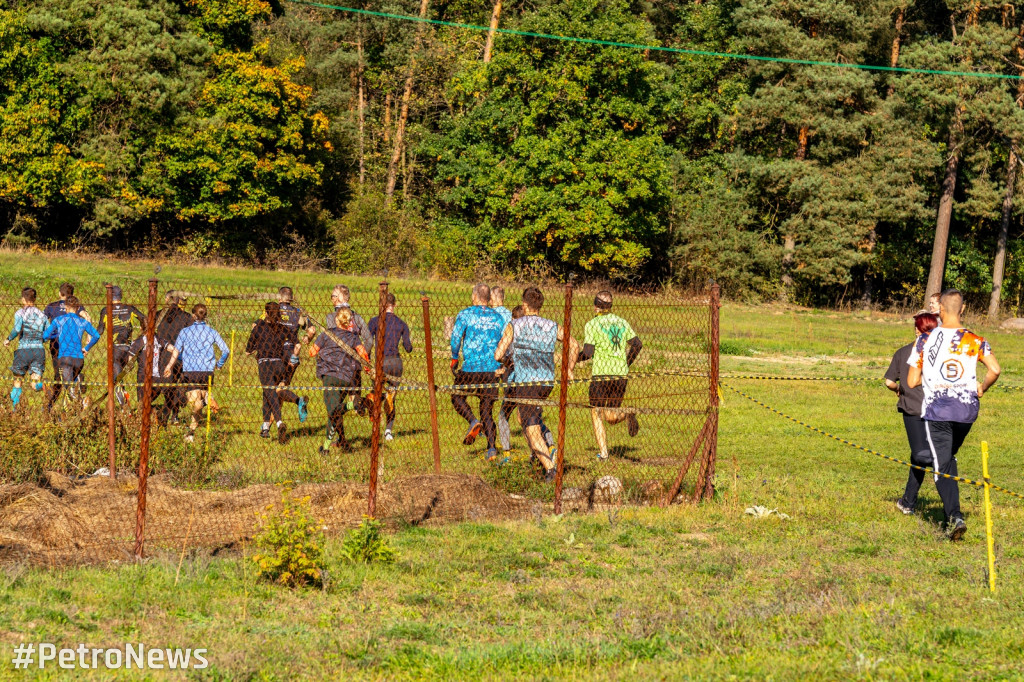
<point>979,484</point>
<point>879,380</point>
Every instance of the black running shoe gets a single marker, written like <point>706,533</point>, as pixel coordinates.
<point>265,433</point>
<point>956,529</point>
<point>903,506</point>
<point>282,434</point>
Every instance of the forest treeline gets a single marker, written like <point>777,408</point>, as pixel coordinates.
<point>277,132</point>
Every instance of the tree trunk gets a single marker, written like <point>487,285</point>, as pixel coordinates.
<point>788,249</point>
<point>938,265</point>
<point>1004,229</point>
<point>362,112</point>
<point>403,114</point>
<point>894,54</point>
<point>495,17</point>
<point>387,118</point>
<point>867,297</point>
<point>803,138</point>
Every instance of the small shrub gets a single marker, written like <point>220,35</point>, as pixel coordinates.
<point>367,544</point>
<point>291,544</point>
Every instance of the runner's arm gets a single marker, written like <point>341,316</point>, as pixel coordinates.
<point>992,365</point>
<point>169,369</point>
<point>16,330</point>
<point>574,350</point>
<point>103,321</point>
<point>586,353</point>
<point>913,377</point>
<point>406,338</point>
<point>93,335</point>
<point>225,352</point>
<point>458,331</point>
<point>892,385</point>
<point>504,343</point>
<point>634,346</point>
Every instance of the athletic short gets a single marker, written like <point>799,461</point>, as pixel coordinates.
<point>393,366</point>
<point>479,378</point>
<point>529,414</point>
<point>606,392</point>
<point>196,381</point>
<point>29,361</point>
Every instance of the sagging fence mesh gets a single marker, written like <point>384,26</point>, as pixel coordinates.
<point>555,399</point>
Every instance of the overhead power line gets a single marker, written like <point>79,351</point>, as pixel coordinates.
<point>659,48</point>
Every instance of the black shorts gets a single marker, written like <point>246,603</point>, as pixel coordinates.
<point>28,361</point>
<point>530,415</point>
<point>607,392</point>
<point>68,369</point>
<point>479,378</point>
<point>393,366</point>
<point>196,381</point>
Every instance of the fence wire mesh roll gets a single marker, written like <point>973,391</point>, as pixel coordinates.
<point>252,389</point>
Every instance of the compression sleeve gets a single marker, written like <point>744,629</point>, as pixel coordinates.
<point>406,338</point>
<point>52,331</point>
<point>586,353</point>
<point>633,350</point>
<point>103,321</point>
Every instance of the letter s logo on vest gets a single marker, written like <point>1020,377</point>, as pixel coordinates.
<point>952,370</point>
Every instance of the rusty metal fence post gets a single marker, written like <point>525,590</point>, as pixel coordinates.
<point>111,426</point>
<point>705,488</point>
<point>431,386</point>
<point>563,396</point>
<point>716,294</point>
<point>378,402</point>
<point>147,411</point>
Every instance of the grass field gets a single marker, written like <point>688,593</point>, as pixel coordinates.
<point>845,588</point>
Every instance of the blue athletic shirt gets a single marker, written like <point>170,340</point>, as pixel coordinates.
<point>477,332</point>
<point>68,330</point>
<point>29,324</point>
<point>196,343</point>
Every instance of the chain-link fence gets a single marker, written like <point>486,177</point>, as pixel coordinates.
<point>414,402</point>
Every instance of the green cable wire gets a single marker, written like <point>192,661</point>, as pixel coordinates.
<point>657,48</point>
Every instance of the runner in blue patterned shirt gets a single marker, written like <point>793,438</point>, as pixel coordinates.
<point>196,343</point>
<point>68,330</point>
<point>476,334</point>
<point>30,358</point>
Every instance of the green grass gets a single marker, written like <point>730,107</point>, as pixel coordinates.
<point>844,589</point>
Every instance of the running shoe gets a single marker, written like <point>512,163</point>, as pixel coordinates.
<point>601,457</point>
<point>282,434</point>
<point>265,432</point>
<point>549,475</point>
<point>303,413</point>
<point>633,423</point>
<point>956,529</point>
<point>190,437</point>
<point>492,457</point>
<point>474,431</point>
<point>904,507</point>
<point>387,435</point>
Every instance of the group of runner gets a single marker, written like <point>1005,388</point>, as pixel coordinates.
<point>492,348</point>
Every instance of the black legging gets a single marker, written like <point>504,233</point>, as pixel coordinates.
<point>946,437</point>
<point>272,373</point>
<point>487,396</point>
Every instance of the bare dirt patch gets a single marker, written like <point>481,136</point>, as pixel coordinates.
<point>60,521</point>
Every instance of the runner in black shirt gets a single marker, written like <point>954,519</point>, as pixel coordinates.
<point>395,331</point>
<point>340,372</point>
<point>170,321</point>
<point>125,320</point>
<point>268,343</point>
<point>293,318</point>
<point>52,312</point>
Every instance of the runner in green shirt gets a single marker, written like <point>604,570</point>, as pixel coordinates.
<point>613,345</point>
